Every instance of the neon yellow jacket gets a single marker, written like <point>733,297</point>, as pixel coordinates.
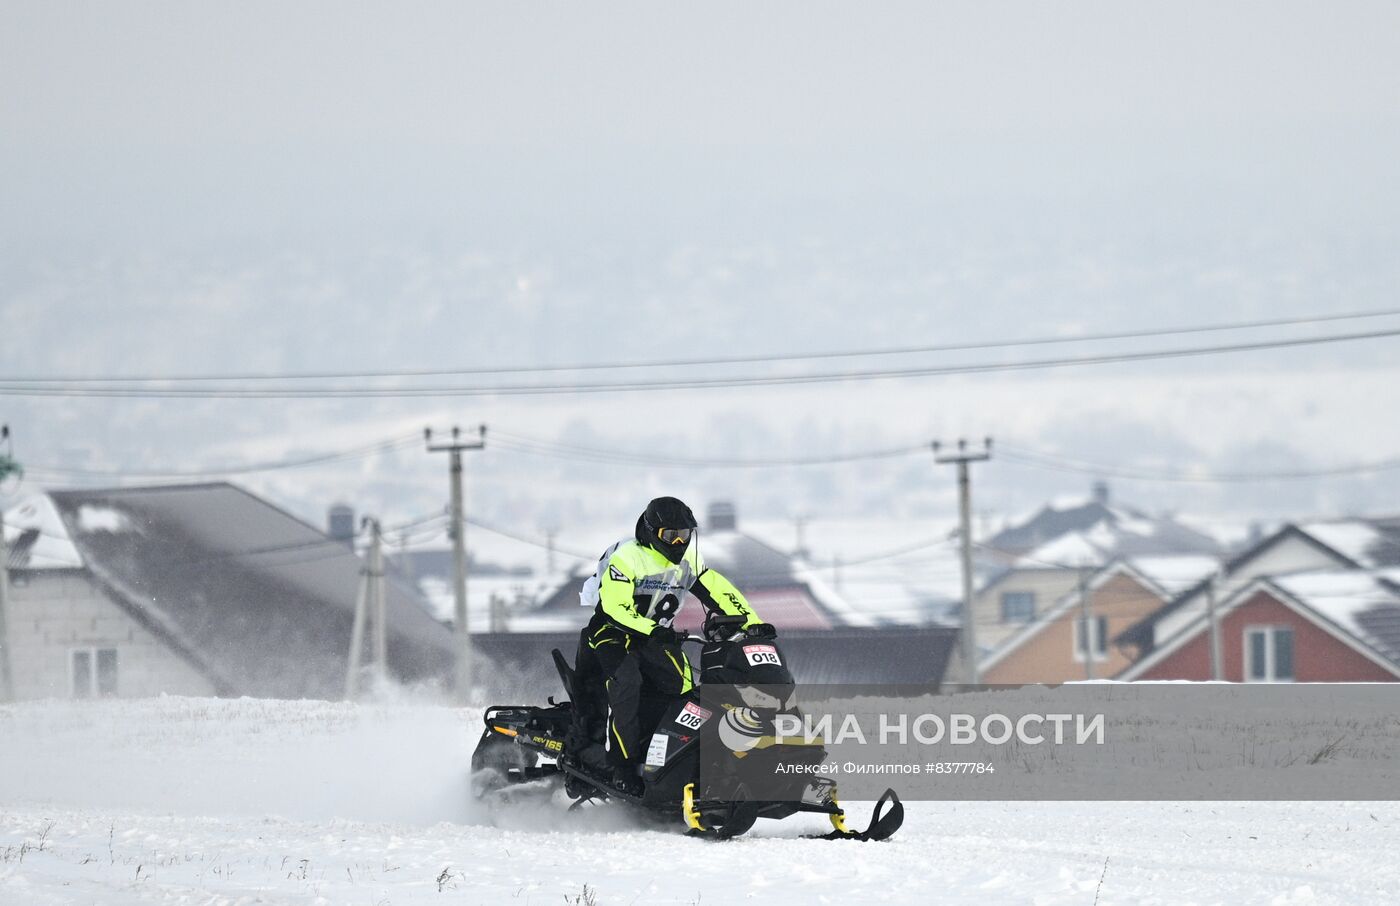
<point>639,589</point>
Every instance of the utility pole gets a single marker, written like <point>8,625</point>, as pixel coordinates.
<point>462,631</point>
<point>377,594</point>
<point>1086,616</point>
<point>357,636</point>
<point>8,466</point>
<point>1216,668</point>
<point>6,681</point>
<point>972,676</point>
<point>370,599</point>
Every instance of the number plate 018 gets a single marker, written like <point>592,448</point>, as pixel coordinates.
<point>759,655</point>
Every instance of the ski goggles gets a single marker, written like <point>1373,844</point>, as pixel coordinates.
<point>674,535</point>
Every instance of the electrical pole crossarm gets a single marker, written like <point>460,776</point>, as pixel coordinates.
<point>456,443</point>
<point>963,454</point>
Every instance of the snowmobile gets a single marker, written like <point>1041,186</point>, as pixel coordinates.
<point>744,683</point>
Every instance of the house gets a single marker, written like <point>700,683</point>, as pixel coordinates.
<point>200,589</point>
<point>1070,639</point>
<point>1037,561</point>
<point>1345,544</point>
<point>1323,626</point>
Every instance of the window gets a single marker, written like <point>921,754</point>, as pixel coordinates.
<point>1017,606</point>
<point>1268,654</point>
<point>1093,632</point>
<point>94,672</point>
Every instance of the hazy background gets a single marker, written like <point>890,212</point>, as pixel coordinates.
<point>195,188</point>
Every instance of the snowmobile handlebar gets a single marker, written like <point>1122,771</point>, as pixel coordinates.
<point>723,627</point>
<point>718,628</point>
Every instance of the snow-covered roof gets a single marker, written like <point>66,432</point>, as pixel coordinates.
<point>1353,538</point>
<point>1068,550</point>
<point>37,538</point>
<point>1174,574</point>
<point>1359,601</point>
<point>877,571</point>
<point>1230,533</point>
<point>1062,502</point>
<point>1105,531</point>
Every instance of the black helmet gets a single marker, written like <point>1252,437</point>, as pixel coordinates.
<point>666,526</point>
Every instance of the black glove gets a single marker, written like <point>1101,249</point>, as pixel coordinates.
<point>762,631</point>
<point>663,634</point>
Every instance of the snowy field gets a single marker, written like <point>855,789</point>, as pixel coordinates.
<point>196,801</point>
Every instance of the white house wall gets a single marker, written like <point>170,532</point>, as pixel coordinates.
<point>50,614</point>
<point>1288,556</point>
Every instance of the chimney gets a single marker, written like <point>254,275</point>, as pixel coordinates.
<point>1101,492</point>
<point>721,517</point>
<point>340,523</point>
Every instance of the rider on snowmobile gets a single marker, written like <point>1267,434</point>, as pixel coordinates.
<point>629,645</point>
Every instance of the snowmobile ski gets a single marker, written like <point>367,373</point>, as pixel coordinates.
<point>881,827</point>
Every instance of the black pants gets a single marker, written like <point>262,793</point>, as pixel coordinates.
<point>637,677</point>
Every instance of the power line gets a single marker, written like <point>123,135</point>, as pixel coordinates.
<point>815,567</point>
<point>1018,455</point>
<point>713,361</point>
<point>1037,460</point>
<point>891,554</point>
<point>558,449</point>
<point>427,521</point>
<point>383,446</point>
<point>536,446</point>
<point>469,390</point>
<point>530,541</point>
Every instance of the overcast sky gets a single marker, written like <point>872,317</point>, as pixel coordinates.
<point>305,186</point>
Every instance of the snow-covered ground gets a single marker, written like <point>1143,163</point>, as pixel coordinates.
<point>241,802</point>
